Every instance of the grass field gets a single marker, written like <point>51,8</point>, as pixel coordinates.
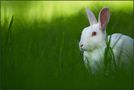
<point>39,44</point>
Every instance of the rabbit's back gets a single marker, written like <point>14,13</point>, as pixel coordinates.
<point>123,47</point>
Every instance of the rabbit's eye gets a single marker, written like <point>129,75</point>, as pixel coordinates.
<point>93,33</point>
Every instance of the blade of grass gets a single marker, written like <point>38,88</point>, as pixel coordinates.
<point>116,42</point>
<point>9,30</point>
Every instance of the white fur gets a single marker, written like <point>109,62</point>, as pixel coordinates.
<point>93,46</point>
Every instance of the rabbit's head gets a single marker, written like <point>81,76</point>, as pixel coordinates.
<point>94,36</point>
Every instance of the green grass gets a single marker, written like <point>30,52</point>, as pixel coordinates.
<point>44,54</point>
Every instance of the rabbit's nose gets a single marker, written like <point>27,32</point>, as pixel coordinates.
<point>81,45</point>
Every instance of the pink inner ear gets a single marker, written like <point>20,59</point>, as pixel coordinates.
<point>103,17</point>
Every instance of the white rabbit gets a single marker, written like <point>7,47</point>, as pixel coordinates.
<point>93,43</point>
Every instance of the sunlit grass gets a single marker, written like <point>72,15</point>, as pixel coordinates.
<point>47,10</point>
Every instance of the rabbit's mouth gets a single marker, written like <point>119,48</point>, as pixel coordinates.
<point>83,49</point>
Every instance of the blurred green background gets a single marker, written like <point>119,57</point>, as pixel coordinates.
<point>39,44</point>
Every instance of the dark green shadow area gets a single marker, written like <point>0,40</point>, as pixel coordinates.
<point>45,55</point>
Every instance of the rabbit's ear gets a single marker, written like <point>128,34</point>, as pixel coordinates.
<point>104,17</point>
<point>91,17</point>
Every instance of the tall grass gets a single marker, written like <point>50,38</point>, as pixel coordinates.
<point>109,57</point>
<point>46,54</point>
